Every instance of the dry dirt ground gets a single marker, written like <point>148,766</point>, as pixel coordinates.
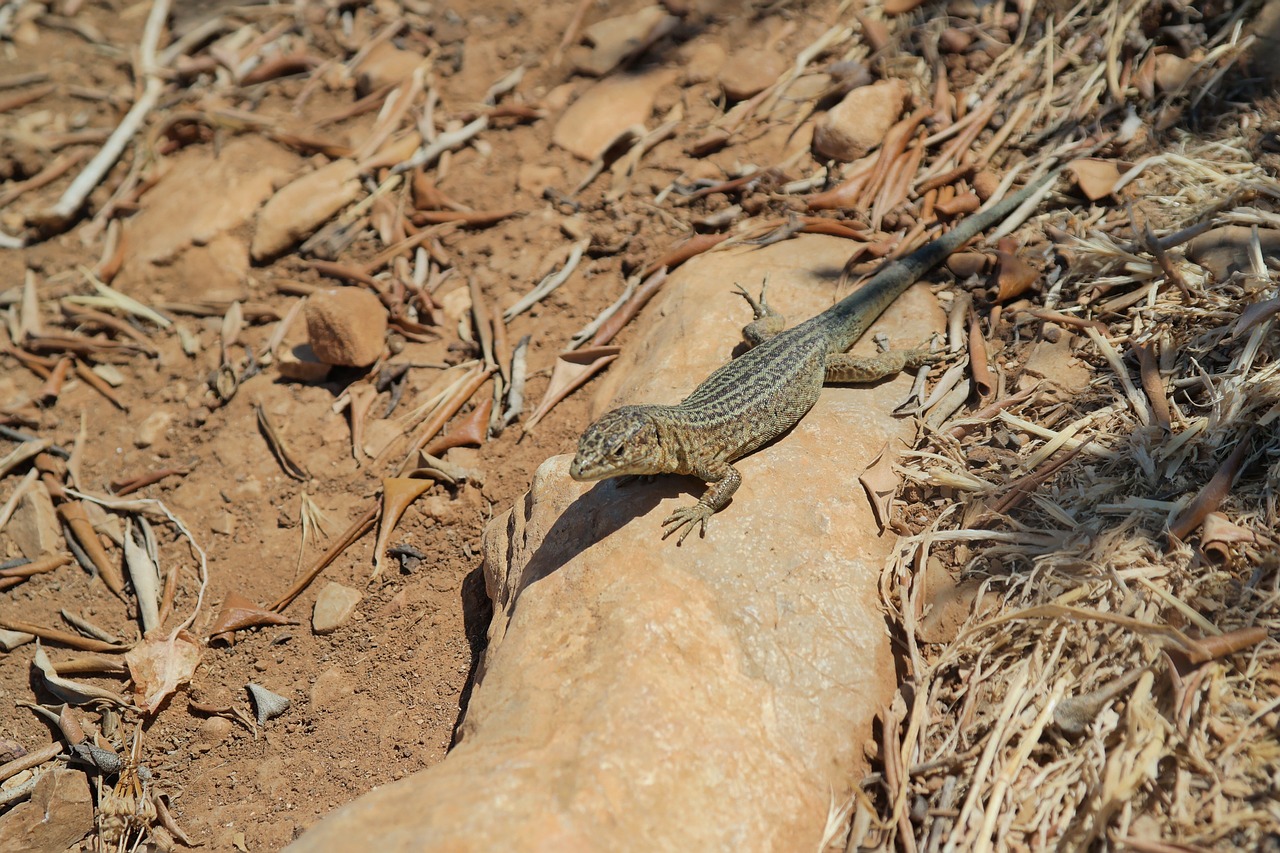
<point>379,697</point>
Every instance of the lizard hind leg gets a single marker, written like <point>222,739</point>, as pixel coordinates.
<point>843,367</point>
<point>766,323</point>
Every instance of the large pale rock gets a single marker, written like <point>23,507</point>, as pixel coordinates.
<point>640,696</point>
<point>59,813</point>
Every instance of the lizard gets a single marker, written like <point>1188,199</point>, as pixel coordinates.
<point>765,391</point>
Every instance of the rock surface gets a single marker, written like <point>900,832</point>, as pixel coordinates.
<point>59,813</point>
<point>636,695</point>
<point>334,606</point>
<point>346,326</point>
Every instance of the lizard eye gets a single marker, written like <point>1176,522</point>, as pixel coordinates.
<point>618,450</point>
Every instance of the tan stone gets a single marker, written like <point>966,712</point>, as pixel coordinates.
<point>636,695</point>
<point>385,65</point>
<point>615,40</point>
<point>300,364</point>
<point>304,205</point>
<point>203,195</point>
<point>334,606</point>
<point>750,71</point>
<point>609,107</point>
<point>346,326</point>
<point>860,121</point>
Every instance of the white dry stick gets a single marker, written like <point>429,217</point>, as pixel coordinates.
<point>158,507</point>
<point>588,331</point>
<point>519,370</point>
<point>550,283</point>
<point>1138,400</point>
<point>430,152</point>
<point>92,175</point>
<point>146,579</point>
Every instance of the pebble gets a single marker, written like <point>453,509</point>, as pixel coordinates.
<point>386,64</point>
<point>153,428</point>
<point>334,606</point>
<point>34,526</point>
<point>346,326</point>
<point>860,121</point>
<point>615,40</point>
<point>749,72</point>
<point>606,109</point>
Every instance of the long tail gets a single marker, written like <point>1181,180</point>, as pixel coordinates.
<point>869,301</point>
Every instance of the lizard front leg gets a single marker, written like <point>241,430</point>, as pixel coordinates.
<point>722,482</point>
<point>767,322</point>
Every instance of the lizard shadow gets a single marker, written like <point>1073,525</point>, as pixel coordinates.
<point>598,513</point>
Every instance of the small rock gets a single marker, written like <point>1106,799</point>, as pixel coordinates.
<point>958,204</point>
<point>533,178</point>
<point>153,428</point>
<point>268,705</point>
<point>860,121</point>
<point>615,40</point>
<point>332,688</point>
<point>596,119</point>
<point>300,364</point>
<point>300,208</point>
<point>346,326</point>
<point>386,64</point>
<point>334,606</point>
<point>34,525</point>
<point>965,264</point>
<point>224,524</point>
<point>109,374</point>
<point>213,731</point>
<point>702,61</point>
<point>985,184</point>
<point>749,72</point>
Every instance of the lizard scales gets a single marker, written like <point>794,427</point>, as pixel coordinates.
<point>768,389</point>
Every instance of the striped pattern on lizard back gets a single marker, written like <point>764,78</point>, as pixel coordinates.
<point>767,390</point>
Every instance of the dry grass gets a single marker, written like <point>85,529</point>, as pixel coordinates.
<point>1116,684</point>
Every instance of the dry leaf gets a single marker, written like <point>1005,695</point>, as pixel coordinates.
<point>1096,178</point>
<point>239,612</point>
<point>397,494</point>
<point>71,692</point>
<point>881,484</point>
<point>1013,275</point>
<point>572,370</point>
<point>159,665</point>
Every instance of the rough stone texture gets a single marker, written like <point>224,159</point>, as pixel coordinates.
<point>296,211</point>
<point>203,195</point>
<point>59,813</point>
<point>346,326</point>
<point>636,695</point>
<point>609,107</point>
<point>334,606</point>
<point>859,122</point>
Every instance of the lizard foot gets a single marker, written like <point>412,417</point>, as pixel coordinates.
<point>759,308</point>
<point>685,519</point>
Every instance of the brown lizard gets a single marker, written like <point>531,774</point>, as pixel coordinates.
<point>768,389</point>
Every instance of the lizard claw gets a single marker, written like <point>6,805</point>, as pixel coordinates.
<point>758,307</point>
<point>685,519</point>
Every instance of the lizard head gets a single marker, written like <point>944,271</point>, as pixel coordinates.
<point>624,441</point>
